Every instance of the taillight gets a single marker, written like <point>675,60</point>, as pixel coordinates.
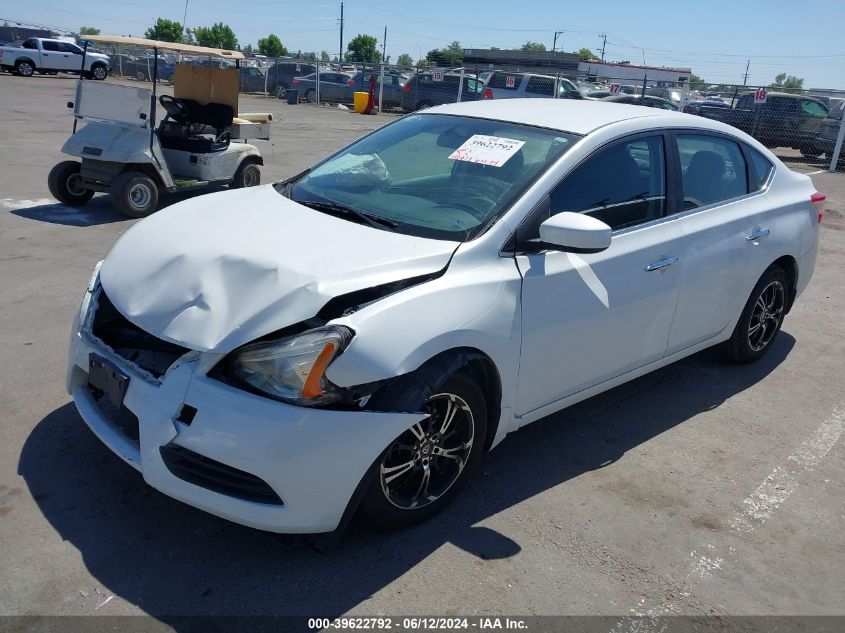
<point>350,82</point>
<point>297,82</point>
<point>818,201</point>
<point>488,93</point>
<point>406,88</point>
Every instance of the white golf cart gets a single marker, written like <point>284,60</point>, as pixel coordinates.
<point>127,151</point>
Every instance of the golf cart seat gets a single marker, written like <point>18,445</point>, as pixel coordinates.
<point>179,130</point>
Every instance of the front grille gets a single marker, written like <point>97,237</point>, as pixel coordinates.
<point>130,342</point>
<point>212,475</point>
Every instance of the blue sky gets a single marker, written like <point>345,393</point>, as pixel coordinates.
<point>712,37</point>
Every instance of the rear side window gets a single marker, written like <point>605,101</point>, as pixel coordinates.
<point>713,170</point>
<point>50,46</point>
<point>760,169</point>
<point>541,86</point>
<point>506,81</point>
<point>623,185</point>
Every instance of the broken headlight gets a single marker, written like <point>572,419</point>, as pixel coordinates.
<point>293,369</point>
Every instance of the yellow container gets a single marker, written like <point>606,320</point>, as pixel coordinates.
<point>360,101</point>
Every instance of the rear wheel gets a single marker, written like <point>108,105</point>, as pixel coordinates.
<point>761,319</point>
<point>426,466</point>
<point>24,68</point>
<point>248,175</point>
<point>311,95</point>
<point>140,75</point>
<point>65,183</point>
<point>134,194</point>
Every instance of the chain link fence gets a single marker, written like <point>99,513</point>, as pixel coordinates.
<point>799,125</point>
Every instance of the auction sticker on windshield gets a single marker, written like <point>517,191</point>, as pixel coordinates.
<point>487,150</point>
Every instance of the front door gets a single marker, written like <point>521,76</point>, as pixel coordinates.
<point>590,317</point>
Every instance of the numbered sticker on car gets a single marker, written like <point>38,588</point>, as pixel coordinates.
<point>481,149</point>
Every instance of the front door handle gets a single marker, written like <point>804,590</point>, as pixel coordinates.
<point>663,263</point>
<point>756,235</point>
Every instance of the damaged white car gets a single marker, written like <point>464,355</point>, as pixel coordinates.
<point>355,338</point>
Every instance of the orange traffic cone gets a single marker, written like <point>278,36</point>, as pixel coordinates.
<point>371,102</point>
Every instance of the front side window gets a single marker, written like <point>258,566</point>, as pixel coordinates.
<point>813,108</point>
<point>623,185</point>
<point>713,169</point>
<point>440,176</point>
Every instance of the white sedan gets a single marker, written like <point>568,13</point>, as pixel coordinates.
<point>355,338</point>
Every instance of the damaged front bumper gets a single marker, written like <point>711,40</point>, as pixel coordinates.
<point>240,456</point>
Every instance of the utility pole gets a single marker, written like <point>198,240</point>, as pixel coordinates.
<point>185,18</point>
<point>384,47</point>
<point>554,44</point>
<point>340,54</point>
<point>745,77</point>
<point>603,44</point>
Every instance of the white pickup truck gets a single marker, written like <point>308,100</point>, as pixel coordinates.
<point>52,56</point>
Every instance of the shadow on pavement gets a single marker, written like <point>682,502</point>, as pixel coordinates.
<point>172,560</point>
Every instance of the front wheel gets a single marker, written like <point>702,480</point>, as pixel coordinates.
<point>248,175</point>
<point>99,72</point>
<point>134,194</point>
<point>761,319</point>
<point>426,466</point>
<point>65,183</point>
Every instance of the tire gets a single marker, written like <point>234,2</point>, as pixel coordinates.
<point>134,194</point>
<point>310,95</point>
<point>413,478</point>
<point>282,90</point>
<point>99,72</point>
<point>24,68</point>
<point>140,75</point>
<point>425,103</point>
<point>761,318</point>
<point>65,182</point>
<point>248,175</point>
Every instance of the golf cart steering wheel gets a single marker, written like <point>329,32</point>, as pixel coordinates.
<point>175,108</point>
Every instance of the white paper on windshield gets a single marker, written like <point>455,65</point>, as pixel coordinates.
<point>487,150</point>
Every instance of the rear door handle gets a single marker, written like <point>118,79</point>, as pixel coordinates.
<point>663,263</point>
<point>756,235</point>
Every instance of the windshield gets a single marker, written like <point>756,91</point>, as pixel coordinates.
<point>440,176</point>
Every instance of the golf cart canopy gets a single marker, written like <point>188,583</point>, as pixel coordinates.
<point>165,46</point>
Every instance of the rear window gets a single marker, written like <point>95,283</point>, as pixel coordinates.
<point>501,80</point>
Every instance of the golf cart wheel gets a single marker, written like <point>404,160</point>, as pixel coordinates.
<point>248,175</point>
<point>134,194</point>
<point>99,72</point>
<point>24,68</point>
<point>311,95</point>
<point>65,183</point>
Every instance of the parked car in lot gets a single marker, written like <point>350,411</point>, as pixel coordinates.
<point>333,87</point>
<point>46,55</point>
<point>784,120</point>
<point>142,68</point>
<point>455,275</point>
<point>252,79</point>
<point>507,85</point>
<point>422,91</point>
<point>694,105</point>
<point>642,100</point>
<point>391,93</point>
<point>829,130</point>
<point>280,75</point>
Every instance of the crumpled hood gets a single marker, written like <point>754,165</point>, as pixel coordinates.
<point>220,270</point>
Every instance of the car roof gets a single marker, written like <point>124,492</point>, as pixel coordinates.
<point>567,115</point>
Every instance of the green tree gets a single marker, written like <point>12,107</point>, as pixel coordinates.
<point>696,82</point>
<point>324,56</point>
<point>272,46</point>
<point>585,55</point>
<point>533,46</point>
<point>362,48</point>
<point>88,30</point>
<point>405,60</point>
<point>452,55</point>
<point>164,31</point>
<point>218,35</point>
<point>788,82</point>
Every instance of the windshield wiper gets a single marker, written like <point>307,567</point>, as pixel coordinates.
<point>375,221</point>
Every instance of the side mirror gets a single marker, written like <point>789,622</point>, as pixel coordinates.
<point>575,233</point>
